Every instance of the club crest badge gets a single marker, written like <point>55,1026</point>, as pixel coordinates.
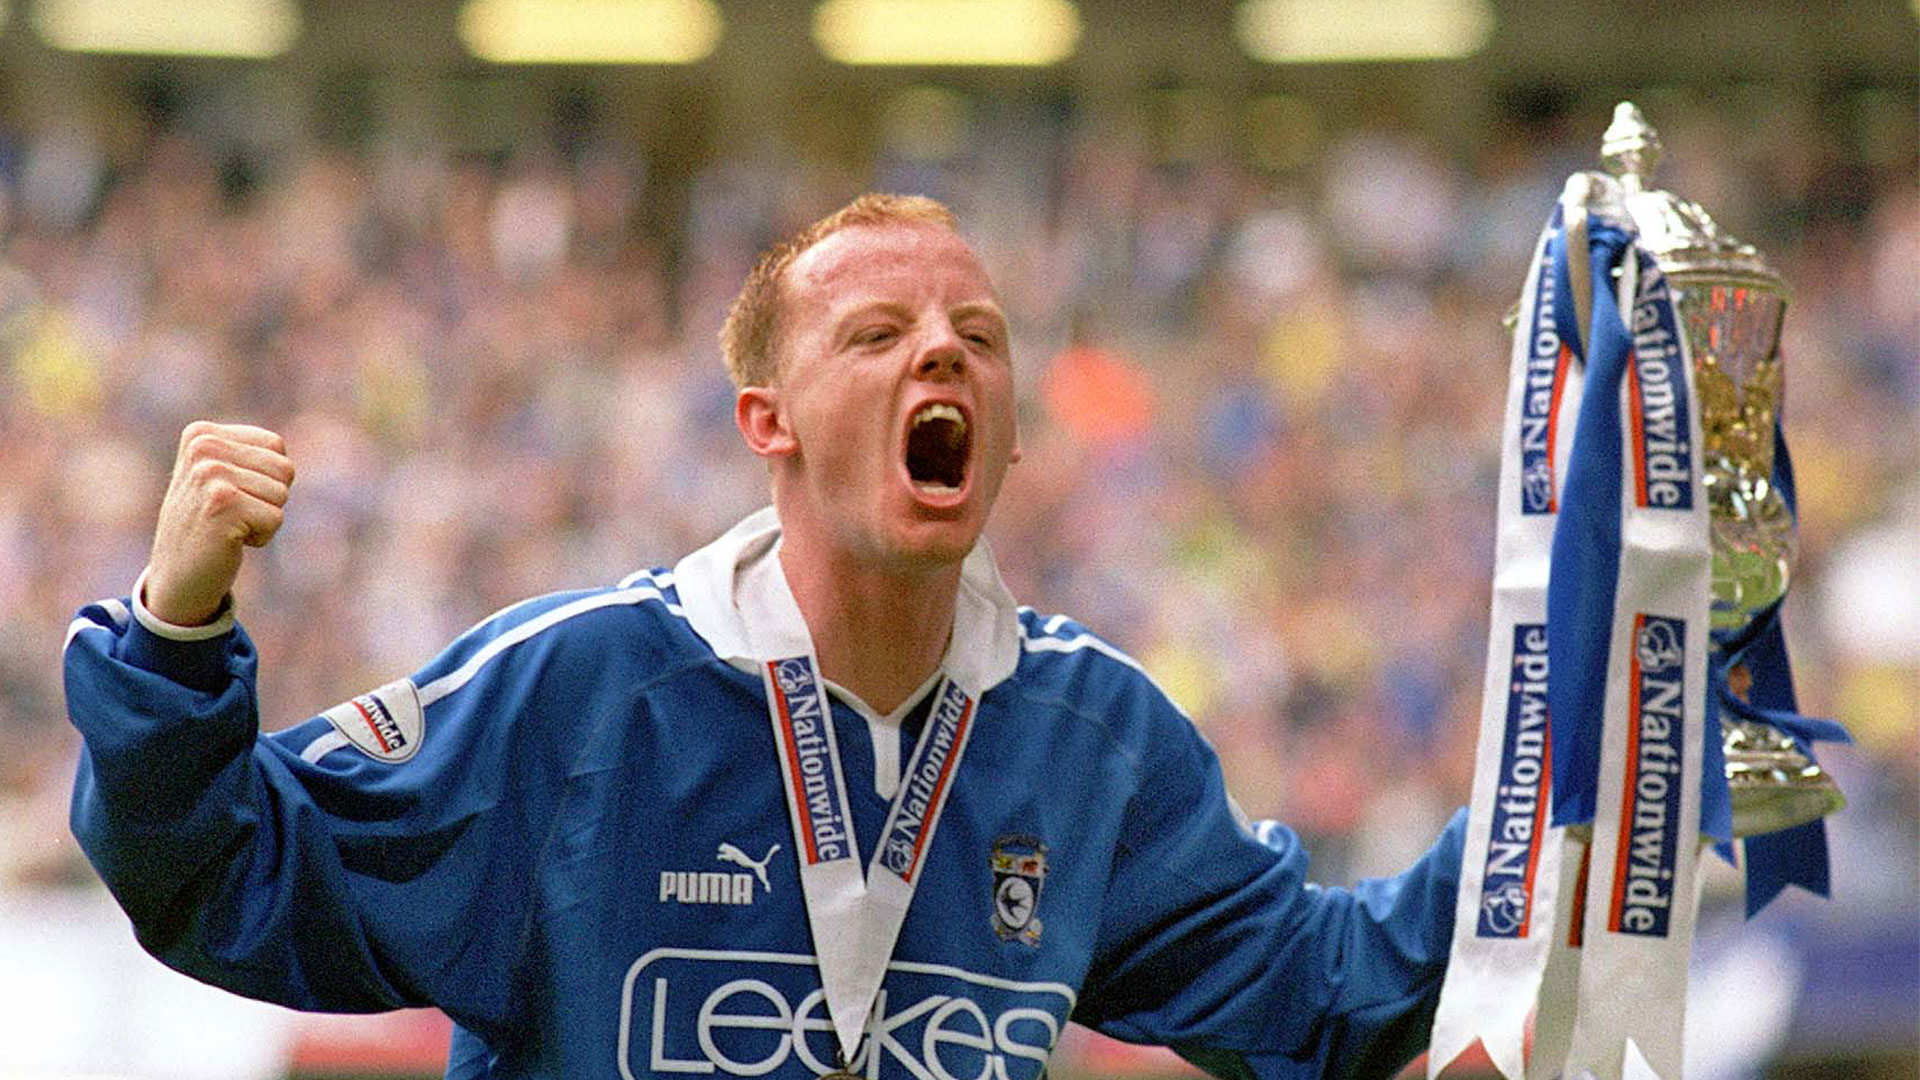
<point>1019,869</point>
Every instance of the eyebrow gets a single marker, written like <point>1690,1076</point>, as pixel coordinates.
<point>987,308</point>
<point>898,310</point>
<point>872,307</point>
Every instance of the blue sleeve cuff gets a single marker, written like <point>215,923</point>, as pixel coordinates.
<point>197,665</point>
<point>193,656</point>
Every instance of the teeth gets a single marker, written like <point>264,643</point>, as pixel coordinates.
<point>940,411</point>
<point>952,440</point>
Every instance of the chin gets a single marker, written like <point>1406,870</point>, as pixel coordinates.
<point>933,544</point>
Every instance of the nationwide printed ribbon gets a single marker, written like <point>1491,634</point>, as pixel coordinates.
<point>855,918</point>
<point>1505,907</point>
<point>1628,605</point>
<point>1587,536</point>
<point>1631,759</point>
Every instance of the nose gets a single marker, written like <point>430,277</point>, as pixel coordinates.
<point>943,357</point>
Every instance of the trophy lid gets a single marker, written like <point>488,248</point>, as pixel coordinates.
<point>1677,233</point>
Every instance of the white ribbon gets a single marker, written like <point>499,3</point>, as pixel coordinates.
<point>1597,933</point>
<point>1504,914</point>
<point>1642,885</point>
<point>1560,982</point>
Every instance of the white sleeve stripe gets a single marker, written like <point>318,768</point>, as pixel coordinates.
<point>1088,641</point>
<point>1075,644</point>
<point>447,684</point>
<point>324,745</point>
<point>115,610</point>
<point>662,579</point>
<point>160,627</point>
<point>77,625</point>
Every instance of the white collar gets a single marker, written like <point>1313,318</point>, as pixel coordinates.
<point>736,597</point>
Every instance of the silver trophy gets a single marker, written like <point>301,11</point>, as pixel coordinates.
<point>1732,304</point>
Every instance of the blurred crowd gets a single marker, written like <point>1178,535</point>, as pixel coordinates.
<point>1259,386</point>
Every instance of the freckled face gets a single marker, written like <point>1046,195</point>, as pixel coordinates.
<point>895,384</point>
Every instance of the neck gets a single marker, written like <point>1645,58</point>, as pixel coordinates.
<point>879,632</point>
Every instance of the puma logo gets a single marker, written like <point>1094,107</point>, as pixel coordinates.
<point>718,886</point>
<point>729,853</point>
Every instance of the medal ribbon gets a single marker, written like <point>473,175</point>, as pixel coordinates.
<point>855,919</point>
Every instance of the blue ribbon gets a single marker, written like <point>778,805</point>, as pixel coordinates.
<point>1586,538</point>
<point>1580,595</point>
<point>1796,856</point>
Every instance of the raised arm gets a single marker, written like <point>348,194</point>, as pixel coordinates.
<point>323,867</point>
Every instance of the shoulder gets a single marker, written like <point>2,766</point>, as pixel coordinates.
<point>635,626</point>
<point>1054,649</point>
<point>519,677</point>
<point>1077,672</point>
<point>1063,661</point>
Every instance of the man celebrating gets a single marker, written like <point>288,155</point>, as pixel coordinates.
<point>819,799</point>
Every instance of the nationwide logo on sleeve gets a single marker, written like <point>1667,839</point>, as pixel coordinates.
<point>385,725</point>
<point>1548,358</point>
<point>1520,804</point>
<point>803,729</point>
<point>1650,801</point>
<point>1019,869</point>
<point>1662,413</point>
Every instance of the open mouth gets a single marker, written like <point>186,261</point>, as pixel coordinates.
<point>938,445</point>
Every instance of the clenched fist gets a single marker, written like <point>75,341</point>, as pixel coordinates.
<point>228,492</point>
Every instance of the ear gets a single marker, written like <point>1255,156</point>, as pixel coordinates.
<point>762,422</point>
